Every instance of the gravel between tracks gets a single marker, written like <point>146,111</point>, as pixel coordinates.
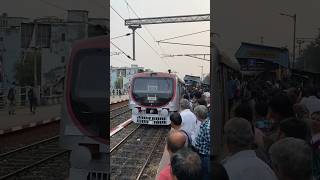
<point>128,159</point>
<point>150,171</point>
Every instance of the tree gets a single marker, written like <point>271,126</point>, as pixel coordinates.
<point>119,83</point>
<point>311,56</point>
<point>24,69</point>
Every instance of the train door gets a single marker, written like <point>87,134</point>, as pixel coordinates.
<point>84,127</point>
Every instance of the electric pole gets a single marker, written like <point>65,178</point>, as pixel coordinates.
<point>201,72</point>
<point>134,27</point>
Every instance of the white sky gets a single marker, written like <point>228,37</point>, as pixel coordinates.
<point>145,56</point>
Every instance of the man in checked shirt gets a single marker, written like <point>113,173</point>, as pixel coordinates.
<point>202,140</point>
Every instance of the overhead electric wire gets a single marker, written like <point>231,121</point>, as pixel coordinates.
<point>128,34</point>
<point>117,13</point>
<point>183,35</point>
<point>185,44</point>
<point>129,57</point>
<point>162,51</point>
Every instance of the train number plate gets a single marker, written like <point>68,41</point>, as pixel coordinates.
<point>152,98</point>
<point>152,88</point>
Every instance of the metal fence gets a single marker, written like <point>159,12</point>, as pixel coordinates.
<point>21,97</point>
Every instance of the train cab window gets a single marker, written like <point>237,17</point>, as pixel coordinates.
<point>88,91</point>
<point>153,91</point>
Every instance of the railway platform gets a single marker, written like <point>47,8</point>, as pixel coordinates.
<point>23,118</point>
<point>116,99</point>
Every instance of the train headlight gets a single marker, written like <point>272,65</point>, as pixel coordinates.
<point>164,112</point>
<point>135,111</point>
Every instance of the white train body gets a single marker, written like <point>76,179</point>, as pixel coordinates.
<point>153,96</point>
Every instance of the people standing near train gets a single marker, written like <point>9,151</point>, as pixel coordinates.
<point>186,165</point>
<point>176,140</point>
<point>242,162</point>
<point>292,159</point>
<point>32,100</point>
<point>11,98</point>
<point>189,120</point>
<point>202,139</point>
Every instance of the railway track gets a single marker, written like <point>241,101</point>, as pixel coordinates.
<point>130,155</point>
<point>119,115</point>
<point>19,162</point>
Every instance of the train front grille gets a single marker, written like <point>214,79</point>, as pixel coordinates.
<point>153,120</point>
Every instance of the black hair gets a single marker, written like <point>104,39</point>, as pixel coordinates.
<point>176,119</point>
<point>245,111</point>
<point>186,165</point>
<point>202,101</point>
<point>282,105</point>
<point>293,127</point>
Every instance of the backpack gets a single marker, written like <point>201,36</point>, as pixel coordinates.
<point>189,139</point>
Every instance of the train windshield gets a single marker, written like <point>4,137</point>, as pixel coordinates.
<point>89,90</point>
<point>152,91</point>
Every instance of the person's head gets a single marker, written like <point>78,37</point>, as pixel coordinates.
<point>280,107</point>
<point>245,111</point>
<point>202,101</point>
<point>198,94</point>
<point>261,109</point>
<point>186,165</point>
<point>293,127</point>
<point>175,141</point>
<point>291,159</point>
<point>201,112</point>
<point>301,111</point>
<point>293,94</point>
<point>239,135</point>
<point>219,172</point>
<point>315,122</point>
<point>185,96</point>
<point>176,120</point>
<point>184,104</point>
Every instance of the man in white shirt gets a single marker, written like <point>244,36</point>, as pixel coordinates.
<point>188,118</point>
<point>243,164</point>
<point>311,101</point>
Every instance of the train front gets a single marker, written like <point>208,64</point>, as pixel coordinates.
<point>152,98</point>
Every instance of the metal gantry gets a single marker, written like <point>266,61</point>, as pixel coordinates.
<point>134,24</point>
<point>168,19</point>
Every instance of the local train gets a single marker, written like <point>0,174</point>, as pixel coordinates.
<point>84,126</point>
<point>153,96</point>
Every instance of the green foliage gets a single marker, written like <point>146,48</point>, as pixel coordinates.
<point>24,70</point>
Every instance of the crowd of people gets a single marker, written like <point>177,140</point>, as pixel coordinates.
<point>273,134</point>
<point>187,152</point>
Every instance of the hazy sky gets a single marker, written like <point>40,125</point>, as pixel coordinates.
<point>145,56</point>
<point>247,20</point>
<point>235,21</point>
<point>38,8</point>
